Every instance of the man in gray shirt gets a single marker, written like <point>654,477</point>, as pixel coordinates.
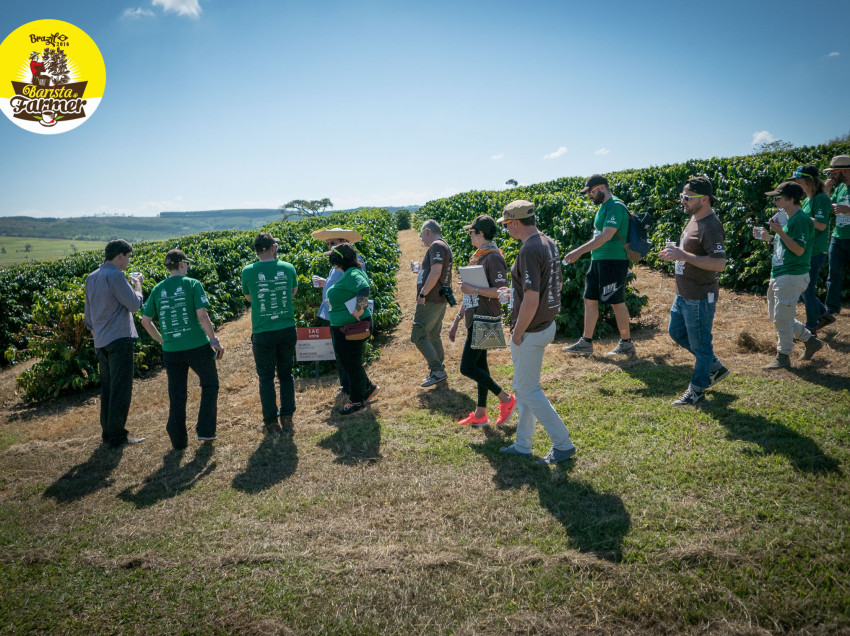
<point>110,303</point>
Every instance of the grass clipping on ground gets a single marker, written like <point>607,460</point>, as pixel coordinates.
<point>728,518</point>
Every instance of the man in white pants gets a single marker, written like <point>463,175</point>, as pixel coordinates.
<point>535,302</point>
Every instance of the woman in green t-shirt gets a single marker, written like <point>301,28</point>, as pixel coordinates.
<point>351,320</point>
<point>789,273</point>
<point>817,205</point>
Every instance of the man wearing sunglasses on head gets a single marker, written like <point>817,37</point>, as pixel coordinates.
<point>700,257</point>
<point>609,267</point>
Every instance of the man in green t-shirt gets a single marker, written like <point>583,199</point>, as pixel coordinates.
<point>609,267</point>
<point>839,247</point>
<point>269,285</point>
<point>188,342</point>
<point>789,274</point>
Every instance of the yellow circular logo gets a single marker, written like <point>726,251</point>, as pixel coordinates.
<point>52,76</point>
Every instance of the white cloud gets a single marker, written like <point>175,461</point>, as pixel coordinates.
<point>834,54</point>
<point>190,8</point>
<point>762,137</point>
<point>135,14</point>
<point>554,155</point>
<point>602,151</point>
<point>501,155</point>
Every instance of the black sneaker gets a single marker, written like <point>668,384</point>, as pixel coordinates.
<point>827,319</point>
<point>352,407</point>
<point>689,398</point>
<point>718,375</point>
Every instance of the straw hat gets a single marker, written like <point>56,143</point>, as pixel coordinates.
<point>351,236</point>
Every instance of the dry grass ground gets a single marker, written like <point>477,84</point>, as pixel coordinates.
<point>399,521</point>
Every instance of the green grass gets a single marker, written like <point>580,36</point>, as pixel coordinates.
<point>729,518</point>
<point>40,249</point>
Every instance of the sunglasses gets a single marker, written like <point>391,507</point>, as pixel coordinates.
<point>594,189</point>
<point>777,197</point>
<point>688,197</point>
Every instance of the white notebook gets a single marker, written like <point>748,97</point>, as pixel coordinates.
<point>473,275</point>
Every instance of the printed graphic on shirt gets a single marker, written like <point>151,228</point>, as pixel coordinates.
<point>52,77</point>
<point>174,313</point>
<point>272,295</point>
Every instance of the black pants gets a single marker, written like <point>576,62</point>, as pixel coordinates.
<point>115,361</point>
<point>177,364</point>
<point>274,353</point>
<point>349,355</point>
<point>473,364</point>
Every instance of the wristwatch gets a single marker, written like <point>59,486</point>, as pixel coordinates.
<point>421,295</point>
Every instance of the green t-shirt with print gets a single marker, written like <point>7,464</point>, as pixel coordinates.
<point>270,285</point>
<point>801,229</point>
<point>612,213</point>
<point>820,209</point>
<point>175,302</point>
<point>346,288</point>
<point>842,221</point>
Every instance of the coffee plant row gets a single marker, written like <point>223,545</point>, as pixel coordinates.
<point>41,304</point>
<point>567,216</point>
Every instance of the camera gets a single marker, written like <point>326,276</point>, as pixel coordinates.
<point>448,292</point>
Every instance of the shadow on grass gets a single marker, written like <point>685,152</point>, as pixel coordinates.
<point>595,522</point>
<point>275,459</point>
<point>660,378</point>
<point>802,452</point>
<point>358,439</point>
<point>90,476</point>
<point>171,479</point>
<point>813,372</point>
<point>443,399</point>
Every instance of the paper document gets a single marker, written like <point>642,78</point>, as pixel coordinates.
<point>351,305</point>
<point>473,275</point>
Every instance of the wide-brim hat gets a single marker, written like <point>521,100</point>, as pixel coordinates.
<point>352,236</point>
<point>839,162</point>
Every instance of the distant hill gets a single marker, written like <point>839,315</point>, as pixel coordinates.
<point>142,228</point>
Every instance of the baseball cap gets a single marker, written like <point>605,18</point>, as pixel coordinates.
<point>788,189</point>
<point>839,162</point>
<point>519,209</point>
<point>482,223</point>
<point>805,171</point>
<point>702,185</point>
<point>264,241</point>
<point>593,181</point>
<point>173,257</point>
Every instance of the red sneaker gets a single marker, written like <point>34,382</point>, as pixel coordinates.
<point>506,409</point>
<point>474,421</point>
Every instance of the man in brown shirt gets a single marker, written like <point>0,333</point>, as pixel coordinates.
<point>535,302</point>
<point>700,257</point>
<point>434,274</point>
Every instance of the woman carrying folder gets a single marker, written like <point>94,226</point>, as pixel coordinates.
<point>483,301</point>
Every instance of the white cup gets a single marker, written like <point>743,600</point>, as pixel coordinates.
<point>670,244</point>
<point>317,281</point>
<point>505,296</point>
<point>760,233</point>
<point>414,266</point>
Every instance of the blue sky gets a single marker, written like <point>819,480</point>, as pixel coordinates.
<point>215,104</point>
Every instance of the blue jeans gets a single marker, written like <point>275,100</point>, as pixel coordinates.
<point>690,327</point>
<point>814,307</point>
<point>177,364</point>
<point>274,354</point>
<point>839,255</point>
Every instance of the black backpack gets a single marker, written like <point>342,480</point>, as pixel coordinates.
<point>637,247</point>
